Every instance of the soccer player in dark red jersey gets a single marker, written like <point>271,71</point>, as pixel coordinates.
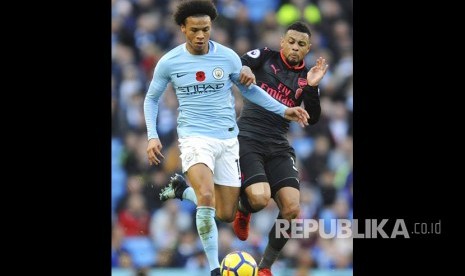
<point>267,159</point>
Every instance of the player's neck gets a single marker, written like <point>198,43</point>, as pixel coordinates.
<point>204,51</point>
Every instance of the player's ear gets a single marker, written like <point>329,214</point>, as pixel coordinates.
<point>282,42</point>
<point>183,28</point>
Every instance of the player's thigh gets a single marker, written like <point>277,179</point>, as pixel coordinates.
<point>195,150</point>
<point>201,178</point>
<point>227,170</point>
<point>252,162</point>
<point>254,180</point>
<point>227,178</point>
<point>198,162</point>
<point>282,172</point>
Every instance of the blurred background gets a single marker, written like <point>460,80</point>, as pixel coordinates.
<point>151,238</point>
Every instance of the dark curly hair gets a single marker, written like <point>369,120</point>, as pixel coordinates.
<point>300,27</point>
<point>194,8</point>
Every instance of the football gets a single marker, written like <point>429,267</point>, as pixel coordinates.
<point>238,263</point>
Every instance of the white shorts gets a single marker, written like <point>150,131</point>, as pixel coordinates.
<point>220,155</point>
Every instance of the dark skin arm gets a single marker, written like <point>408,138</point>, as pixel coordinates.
<point>311,97</point>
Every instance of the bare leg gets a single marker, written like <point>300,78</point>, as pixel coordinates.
<point>256,197</point>
<point>288,201</point>
<point>226,198</point>
<point>201,179</point>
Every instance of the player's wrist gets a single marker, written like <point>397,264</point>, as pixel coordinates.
<point>284,112</point>
<point>312,87</point>
<point>153,137</point>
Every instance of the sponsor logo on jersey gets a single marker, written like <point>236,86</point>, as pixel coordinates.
<point>200,88</point>
<point>282,94</point>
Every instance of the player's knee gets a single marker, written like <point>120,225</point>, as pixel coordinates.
<point>291,211</point>
<point>259,201</point>
<point>258,196</point>
<point>205,198</point>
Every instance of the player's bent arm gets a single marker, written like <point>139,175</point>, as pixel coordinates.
<point>312,103</point>
<point>247,77</point>
<point>258,96</point>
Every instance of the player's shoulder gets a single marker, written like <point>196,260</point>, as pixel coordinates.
<point>220,48</point>
<point>261,52</point>
<point>172,54</point>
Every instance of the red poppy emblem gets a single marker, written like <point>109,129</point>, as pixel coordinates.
<point>200,76</point>
<point>302,82</point>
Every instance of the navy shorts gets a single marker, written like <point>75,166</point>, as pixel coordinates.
<point>267,162</point>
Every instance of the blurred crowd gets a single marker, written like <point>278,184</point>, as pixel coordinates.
<point>147,233</point>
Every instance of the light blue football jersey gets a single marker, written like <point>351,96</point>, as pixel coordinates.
<point>203,87</point>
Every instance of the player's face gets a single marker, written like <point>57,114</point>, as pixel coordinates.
<point>295,46</point>
<point>197,30</point>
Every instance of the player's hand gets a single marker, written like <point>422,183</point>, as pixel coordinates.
<point>317,72</point>
<point>247,77</point>
<point>297,114</point>
<point>154,151</point>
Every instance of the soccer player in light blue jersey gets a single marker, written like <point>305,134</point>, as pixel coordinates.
<point>202,73</point>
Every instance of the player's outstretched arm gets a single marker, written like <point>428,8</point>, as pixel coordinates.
<point>258,96</point>
<point>312,91</point>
